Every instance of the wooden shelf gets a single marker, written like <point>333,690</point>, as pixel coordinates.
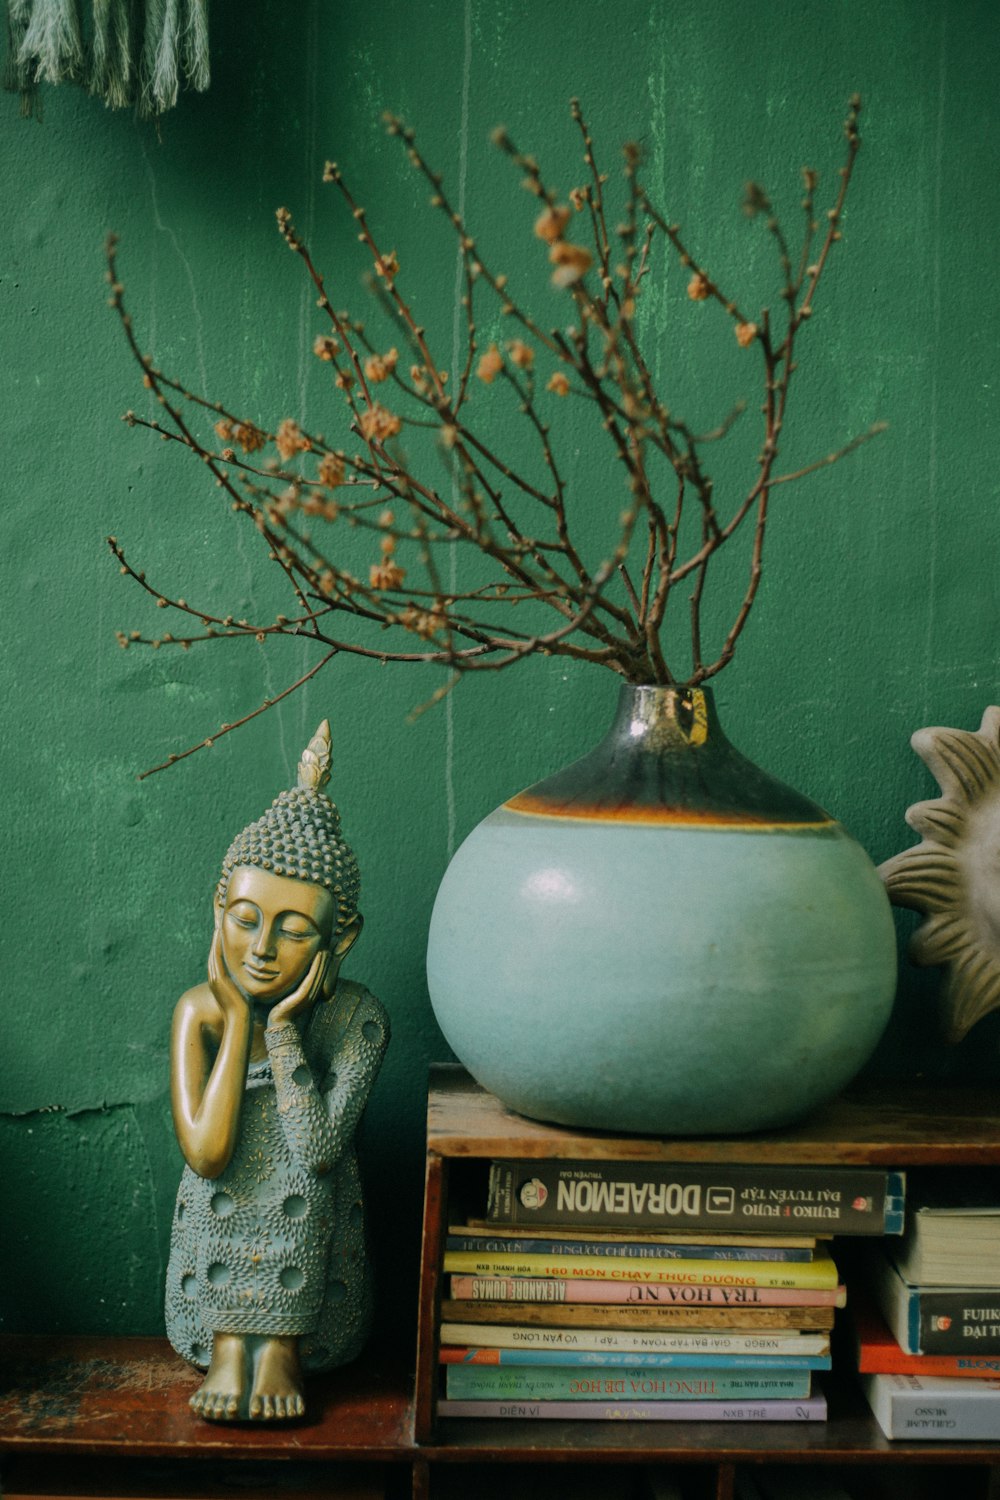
<point>851,1436</point>
<point>130,1396</point>
<point>884,1125</point>
<point>81,1403</point>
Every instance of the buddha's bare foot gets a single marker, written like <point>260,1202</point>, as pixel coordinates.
<point>277,1382</point>
<point>223,1392</point>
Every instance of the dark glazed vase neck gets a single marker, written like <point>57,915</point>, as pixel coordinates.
<point>658,719</point>
<point>665,759</point>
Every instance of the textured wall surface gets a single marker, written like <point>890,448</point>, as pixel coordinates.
<point>878,612</point>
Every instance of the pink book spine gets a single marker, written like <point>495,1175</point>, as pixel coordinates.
<point>661,1294</point>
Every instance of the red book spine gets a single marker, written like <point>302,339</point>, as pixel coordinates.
<point>879,1352</point>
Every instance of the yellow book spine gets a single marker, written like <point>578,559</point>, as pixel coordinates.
<point>814,1274</point>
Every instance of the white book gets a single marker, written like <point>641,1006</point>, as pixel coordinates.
<point>935,1406</point>
<point>936,1319</point>
<point>633,1341</point>
<point>952,1244</point>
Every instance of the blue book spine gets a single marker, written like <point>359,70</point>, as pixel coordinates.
<point>628,1359</point>
<point>629,1250</point>
<point>895,1203</point>
<point>913,1322</point>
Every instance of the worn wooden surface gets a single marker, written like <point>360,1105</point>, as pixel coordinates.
<point>888,1124</point>
<point>849,1436</point>
<point>122,1395</point>
<point>118,1397</point>
<point>126,1398</point>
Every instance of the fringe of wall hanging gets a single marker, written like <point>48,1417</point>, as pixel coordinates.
<point>130,53</point>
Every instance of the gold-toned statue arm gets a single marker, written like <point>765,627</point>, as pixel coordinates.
<point>318,1122</point>
<point>209,1053</point>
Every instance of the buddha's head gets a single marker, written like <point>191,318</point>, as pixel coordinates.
<point>289,886</point>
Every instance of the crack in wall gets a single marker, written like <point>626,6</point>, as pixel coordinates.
<point>104,1107</point>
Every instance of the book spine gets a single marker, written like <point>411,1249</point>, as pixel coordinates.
<point>468,1382</point>
<point>828,1200</point>
<point>813,1409</point>
<point>637,1340</point>
<point>895,1204</point>
<point>618,1234</point>
<point>818,1273</point>
<point>480,1245</point>
<point>955,1322</point>
<point>905,1409</point>
<point>556,1289</point>
<point>882,1360</point>
<point>583,1358</point>
<point>625,1315</point>
<point>963,1320</point>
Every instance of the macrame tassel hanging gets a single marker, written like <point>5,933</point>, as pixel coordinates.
<point>17,76</point>
<point>159,56</point>
<point>112,57</point>
<point>134,52</point>
<point>196,44</point>
<point>175,46</point>
<point>53,45</point>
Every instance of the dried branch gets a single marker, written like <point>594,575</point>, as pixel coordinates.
<point>306,497</point>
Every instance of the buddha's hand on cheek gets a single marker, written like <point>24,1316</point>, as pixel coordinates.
<point>305,993</point>
<point>231,1000</point>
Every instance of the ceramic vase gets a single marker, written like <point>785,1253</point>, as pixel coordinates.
<point>662,938</point>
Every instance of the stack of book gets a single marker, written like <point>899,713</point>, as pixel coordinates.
<point>928,1345</point>
<point>596,1290</point>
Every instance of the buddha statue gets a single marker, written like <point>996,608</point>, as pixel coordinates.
<point>272,1061</point>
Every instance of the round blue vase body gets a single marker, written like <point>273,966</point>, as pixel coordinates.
<point>662,939</point>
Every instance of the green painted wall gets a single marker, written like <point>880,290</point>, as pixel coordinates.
<point>878,613</point>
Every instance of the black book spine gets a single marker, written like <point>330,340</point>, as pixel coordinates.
<point>958,1322</point>
<point>806,1200</point>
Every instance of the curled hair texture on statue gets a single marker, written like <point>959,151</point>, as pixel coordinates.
<point>299,837</point>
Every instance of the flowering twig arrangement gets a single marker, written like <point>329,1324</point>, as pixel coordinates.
<point>300,491</point>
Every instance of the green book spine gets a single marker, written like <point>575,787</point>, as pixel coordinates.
<point>493,1383</point>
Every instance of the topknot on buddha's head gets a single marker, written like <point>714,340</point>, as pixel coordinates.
<point>299,836</point>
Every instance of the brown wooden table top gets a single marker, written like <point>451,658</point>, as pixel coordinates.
<point>88,1395</point>
<point>885,1124</point>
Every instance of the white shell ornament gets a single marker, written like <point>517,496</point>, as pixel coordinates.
<point>953,875</point>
